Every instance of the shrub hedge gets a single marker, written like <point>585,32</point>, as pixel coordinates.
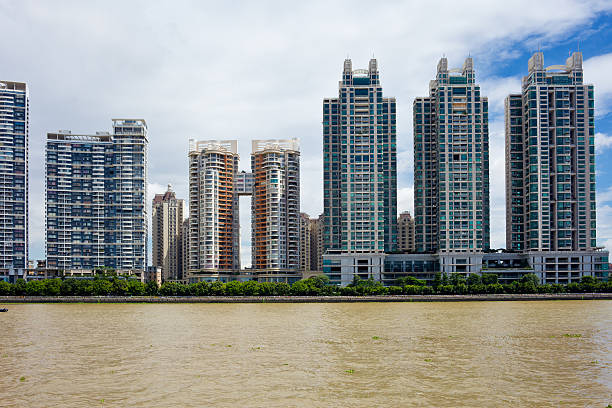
<point>315,286</point>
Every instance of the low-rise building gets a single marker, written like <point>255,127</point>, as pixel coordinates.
<point>560,267</point>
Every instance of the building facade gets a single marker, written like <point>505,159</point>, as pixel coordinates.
<point>14,137</point>
<point>185,249</point>
<point>549,266</point>
<point>550,160</point>
<point>96,186</point>
<point>405,228</point>
<point>451,164</point>
<point>305,249</point>
<point>275,205</point>
<point>316,243</point>
<point>214,225</point>
<point>359,165</point>
<point>167,227</point>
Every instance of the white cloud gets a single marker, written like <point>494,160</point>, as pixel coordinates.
<point>602,142</point>
<point>405,200</point>
<point>604,218</point>
<point>251,70</point>
<point>597,72</point>
<point>496,89</point>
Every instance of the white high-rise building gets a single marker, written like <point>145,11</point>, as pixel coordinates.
<point>214,225</point>
<point>275,205</point>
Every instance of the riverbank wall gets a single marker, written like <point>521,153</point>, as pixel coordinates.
<point>302,299</point>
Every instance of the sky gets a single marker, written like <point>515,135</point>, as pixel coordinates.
<point>260,70</point>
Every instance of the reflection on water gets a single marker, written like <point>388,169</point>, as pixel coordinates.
<point>548,353</point>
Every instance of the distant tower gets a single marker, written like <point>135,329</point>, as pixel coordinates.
<point>405,227</point>
<point>275,205</point>
<point>167,221</point>
<point>14,135</point>
<point>550,160</point>
<point>316,243</point>
<point>305,242</point>
<point>359,165</point>
<point>214,226</point>
<point>451,164</point>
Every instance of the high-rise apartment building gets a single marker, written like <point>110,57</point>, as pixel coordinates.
<point>316,243</point>
<point>550,160</point>
<point>214,225</point>
<point>167,223</point>
<point>14,135</point>
<point>451,164</point>
<point>96,185</point>
<point>305,242</point>
<point>185,249</point>
<point>359,153</point>
<point>275,205</point>
<point>405,227</point>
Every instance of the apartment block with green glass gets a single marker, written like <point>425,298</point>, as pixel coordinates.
<point>451,164</point>
<point>359,150</point>
<point>550,167</point>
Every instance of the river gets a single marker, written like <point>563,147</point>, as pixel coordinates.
<point>463,354</point>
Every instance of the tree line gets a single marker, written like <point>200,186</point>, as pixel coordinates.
<point>104,285</point>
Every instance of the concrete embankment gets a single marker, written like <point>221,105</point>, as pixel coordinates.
<point>300,299</point>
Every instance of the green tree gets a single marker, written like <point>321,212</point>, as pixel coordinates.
<point>489,278</point>
<point>53,287</point>
<point>300,288</point>
<point>494,288</point>
<point>135,288</point>
<point>409,280</point>
<point>412,289</point>
<point>456,279</point>
<point>6,289</point>
<point>474,279</point>
<point>35,288</point>
<point>216,288</point>
<point>233,288</point>
<point>530,278</point>
<point>151,288</point>
<point>102,287</point>
<point>282,289</point>
<point>20,287</point>
<point>120,287</point>
<point>250,288</point>
<point>437,280</point>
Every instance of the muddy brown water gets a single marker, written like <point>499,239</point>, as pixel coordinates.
<point>464,354</point>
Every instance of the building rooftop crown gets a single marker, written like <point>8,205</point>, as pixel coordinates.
<point>276,144</point>
<point>224,146</point>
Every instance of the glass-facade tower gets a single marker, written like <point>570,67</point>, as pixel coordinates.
<point>96,214</point>
<point>14,131</point>
<point>359,168</point>
<point>451,164</point>
<point>550,160</point>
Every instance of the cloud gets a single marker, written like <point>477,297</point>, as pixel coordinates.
<point>496,89</point>
<point>597,72</point>
<point>602,142</point>
<point>243,70</point>
<point>405,200</point>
